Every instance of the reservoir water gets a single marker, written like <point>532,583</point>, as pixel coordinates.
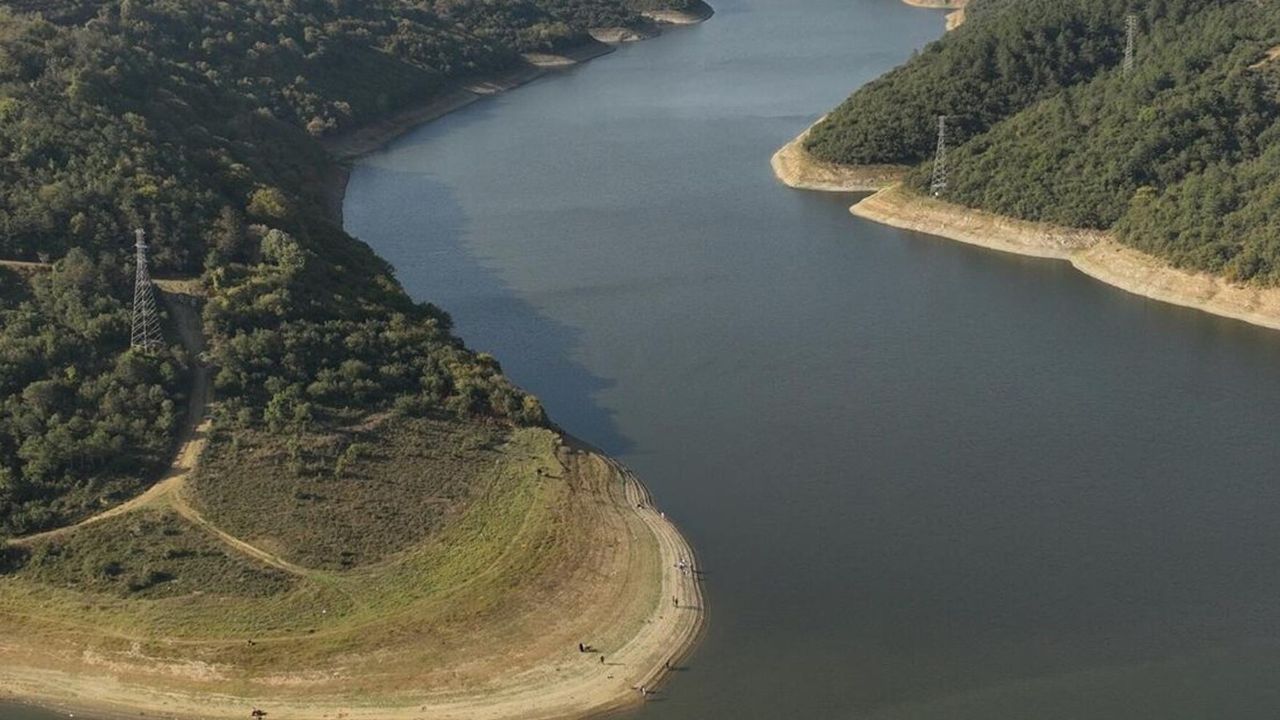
<point>926,480</point>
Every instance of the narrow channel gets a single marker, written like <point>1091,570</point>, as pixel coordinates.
<point>925,480</point>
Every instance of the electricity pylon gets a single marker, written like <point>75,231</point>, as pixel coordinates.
<point>1130,39</point>
<point>939,182</point>
<point>146,320</point>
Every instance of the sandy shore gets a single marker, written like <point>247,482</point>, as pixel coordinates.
<point>937,4</point>
<point>910,211</point>
<point>698,13</point>
<point>563,684</point>
<point>621,35</point>
<point>796,168</point>
<point>657,19</point>
<point>1094,253</point>
<point>955,18</point>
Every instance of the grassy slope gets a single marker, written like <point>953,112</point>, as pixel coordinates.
<point>350,497</point>
<point>148,555</point>
<point>494,574</point>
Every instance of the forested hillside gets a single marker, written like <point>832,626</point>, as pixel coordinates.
<point>197,121</point>
<point>1180,157</point>
<point>82,418</point>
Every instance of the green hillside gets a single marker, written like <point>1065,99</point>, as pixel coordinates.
<point>1180,158</point>
<point>198,120</point>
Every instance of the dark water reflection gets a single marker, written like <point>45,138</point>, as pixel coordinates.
<point>929,481</point>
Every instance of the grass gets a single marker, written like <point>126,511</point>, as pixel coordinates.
<point>146,555</point>
<point>459,536</point>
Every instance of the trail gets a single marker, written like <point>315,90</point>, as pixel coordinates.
<point>177,502</point>
<point>24,265</point>
<point>169,492</point>
<point>1272,55</point>
<point>564,683</point>
<point>191,440</point>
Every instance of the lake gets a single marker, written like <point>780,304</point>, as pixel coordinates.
<point>926,480</point>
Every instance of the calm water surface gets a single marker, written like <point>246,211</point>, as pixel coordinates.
<point>927,481</point>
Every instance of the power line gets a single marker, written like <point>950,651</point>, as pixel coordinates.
<point>146,319</point>
<point>1131,37</point>
<point>939,182</point>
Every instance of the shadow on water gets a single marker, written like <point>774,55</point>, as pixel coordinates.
<point>441,268</point>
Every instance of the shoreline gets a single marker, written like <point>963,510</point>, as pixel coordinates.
<point>1094,253</point>
<point>897,207</point>
<point>550,689</point>
<point>937,4</point>
<point>954,19</point>
<point>350,145</point>
<point>796,168</point>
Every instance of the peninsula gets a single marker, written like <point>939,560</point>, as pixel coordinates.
<point>1148,172</point>
<point>292,488</point>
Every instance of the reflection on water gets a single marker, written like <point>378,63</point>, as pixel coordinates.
<point>927,480</point>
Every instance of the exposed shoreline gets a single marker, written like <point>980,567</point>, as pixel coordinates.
<point>1093,253</point>
<point>796,168</point>
<point>955,18</point>
<point>348,146</point>
<point>567,685</point>
<point>937,4</point>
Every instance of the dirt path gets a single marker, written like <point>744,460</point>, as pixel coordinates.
<point>563,683</point>
<point>170,491</point>
<point>177,501</point>
<point>1272,55</point>
<point>191,440</point>
<point>24,265</point>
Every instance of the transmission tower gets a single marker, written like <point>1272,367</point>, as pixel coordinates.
<point>146,320</point>
<point>939,182</point>
<point>1130,39</point>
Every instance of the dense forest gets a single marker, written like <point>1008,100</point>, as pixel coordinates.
<point>80,418</point>
<point>1179,157</point>
<point>198,121</point>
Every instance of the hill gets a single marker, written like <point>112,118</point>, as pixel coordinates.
<point>198,121</point>
<point>358,463</point>
<point>1177,159</point>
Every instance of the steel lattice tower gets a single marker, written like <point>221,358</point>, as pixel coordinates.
<point>1130,39</point>
<point>146,319</point>
<point>939,182</point>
